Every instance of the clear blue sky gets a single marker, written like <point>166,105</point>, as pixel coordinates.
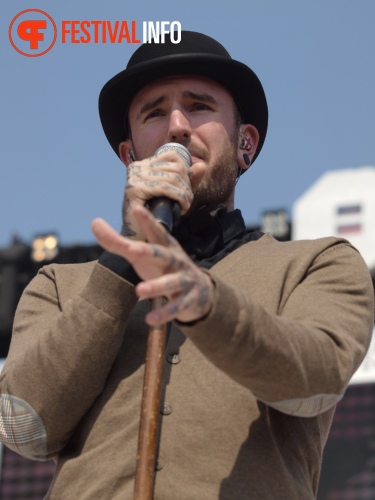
<point>314,58</point>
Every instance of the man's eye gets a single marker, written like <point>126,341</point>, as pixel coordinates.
<point>200,107</point>
<point>153,114</point>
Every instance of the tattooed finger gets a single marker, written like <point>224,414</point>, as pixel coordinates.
<point>168,285</point>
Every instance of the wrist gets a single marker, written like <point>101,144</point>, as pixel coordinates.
<point>120,266</point>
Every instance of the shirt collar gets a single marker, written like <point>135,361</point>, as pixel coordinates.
<point>205,233</point>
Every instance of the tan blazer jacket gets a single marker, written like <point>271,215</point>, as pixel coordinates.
<point>248,394</point>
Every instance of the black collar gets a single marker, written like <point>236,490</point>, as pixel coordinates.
<point>208,236</point>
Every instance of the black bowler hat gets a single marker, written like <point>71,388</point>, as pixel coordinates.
<point>195,54</point>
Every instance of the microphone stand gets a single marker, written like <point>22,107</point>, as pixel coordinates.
<point>149,425</point>
<point>165,211</point>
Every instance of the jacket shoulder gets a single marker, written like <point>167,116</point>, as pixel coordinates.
<point>62,279</point>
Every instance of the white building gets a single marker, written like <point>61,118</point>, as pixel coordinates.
<point>340,203</point>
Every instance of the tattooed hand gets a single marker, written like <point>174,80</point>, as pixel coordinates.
<point>164,175</point>
<point>166,269</point>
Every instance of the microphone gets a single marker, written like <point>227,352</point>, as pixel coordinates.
<point>167,211</point>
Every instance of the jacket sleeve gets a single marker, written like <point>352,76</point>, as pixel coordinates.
<point>300,357</point>
<point>60,356</point>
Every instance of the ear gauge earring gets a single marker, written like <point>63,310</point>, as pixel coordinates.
<point>246,159</point>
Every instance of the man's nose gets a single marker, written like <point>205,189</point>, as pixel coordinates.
<point>179,127</point>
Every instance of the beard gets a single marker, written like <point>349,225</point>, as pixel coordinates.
<point>219,181</point>
<point>218,184</point>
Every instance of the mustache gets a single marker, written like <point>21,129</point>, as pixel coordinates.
<point>196,150</point>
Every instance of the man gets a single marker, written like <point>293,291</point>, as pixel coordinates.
<point>263,336</point>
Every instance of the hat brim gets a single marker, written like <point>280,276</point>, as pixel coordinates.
<point>240,81</point>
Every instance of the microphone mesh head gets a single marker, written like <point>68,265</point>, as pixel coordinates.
<point>178,148</point>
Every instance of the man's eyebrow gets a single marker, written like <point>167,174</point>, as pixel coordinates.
<point>150,105</point>
<point>200,97</point>
<point>187,94</point>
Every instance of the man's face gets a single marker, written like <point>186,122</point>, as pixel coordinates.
<point>198,113</point>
